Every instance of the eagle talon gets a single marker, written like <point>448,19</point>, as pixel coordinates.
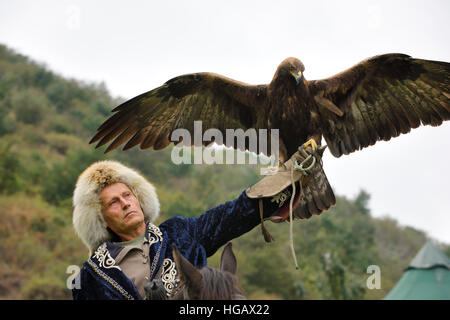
<point>312,143</point>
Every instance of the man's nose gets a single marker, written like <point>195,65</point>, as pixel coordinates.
<point>125,203</point>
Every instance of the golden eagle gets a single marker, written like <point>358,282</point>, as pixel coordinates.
<point>377,99</point>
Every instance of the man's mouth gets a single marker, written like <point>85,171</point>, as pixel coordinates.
<point>131,212</point>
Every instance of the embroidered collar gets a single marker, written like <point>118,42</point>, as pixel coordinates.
<point>153,234</point>
<point>103,261</point>
<point>104,257</point>
<point>111,249</point>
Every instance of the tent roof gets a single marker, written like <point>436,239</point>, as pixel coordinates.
<point>422,284</point>
<point>426,277</point>
<point>430,256</point>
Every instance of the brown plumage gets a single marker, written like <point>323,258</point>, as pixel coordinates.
<point>377,99</point>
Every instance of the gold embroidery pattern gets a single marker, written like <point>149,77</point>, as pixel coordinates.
<point>111,281</point>
<point>281,197</point>
<point>155,235</point>
<point>104,258</point>
<point>169,275</point>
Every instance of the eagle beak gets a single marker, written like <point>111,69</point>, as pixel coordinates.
<point>297,76</point>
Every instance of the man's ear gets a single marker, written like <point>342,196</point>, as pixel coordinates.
<point>228,260</point>
<point>188,273</point>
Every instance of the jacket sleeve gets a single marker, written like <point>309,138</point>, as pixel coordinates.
<point>80,286</point>
<point>223,223</point>
<point>89,287</point>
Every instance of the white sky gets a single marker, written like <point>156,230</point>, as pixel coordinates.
<point>135,46</point>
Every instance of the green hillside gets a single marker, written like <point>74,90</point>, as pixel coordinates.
<point>45,123</point>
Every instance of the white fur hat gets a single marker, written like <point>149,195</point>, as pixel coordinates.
<point>88,220</point>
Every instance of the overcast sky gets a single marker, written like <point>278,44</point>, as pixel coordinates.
<point>135,46</point>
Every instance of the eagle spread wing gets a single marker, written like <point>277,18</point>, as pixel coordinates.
<point>381,98</point>
<point>377,99</point>
<point>149,119</point>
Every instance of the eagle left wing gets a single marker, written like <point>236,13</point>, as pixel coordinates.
<point>380,98</point>
<point>149,119</point>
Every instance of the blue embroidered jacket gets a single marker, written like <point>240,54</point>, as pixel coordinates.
<point>197,238</point>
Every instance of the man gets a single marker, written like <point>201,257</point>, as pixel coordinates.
<point>114,207</point>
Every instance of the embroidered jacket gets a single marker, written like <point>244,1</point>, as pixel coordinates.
<point>197,238</point>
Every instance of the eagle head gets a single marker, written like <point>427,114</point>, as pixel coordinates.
<point>290,68</point>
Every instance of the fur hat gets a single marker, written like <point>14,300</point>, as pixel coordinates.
<point>88,220</point>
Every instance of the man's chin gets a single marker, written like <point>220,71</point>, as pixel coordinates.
<point>134,219</point>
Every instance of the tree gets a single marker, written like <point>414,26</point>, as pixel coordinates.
<point>362,201</point>
<point>10,168</point>
<point>61,179</point>
<point>30,105</point>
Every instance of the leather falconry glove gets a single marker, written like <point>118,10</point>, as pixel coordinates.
<point>275,191</point>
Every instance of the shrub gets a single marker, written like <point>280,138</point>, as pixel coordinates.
<point>30,106</point>
<point>44,288</point>
<point>63,175</point>
<point>61,142</point>
<point>10,169</point>
<point>8,121</point>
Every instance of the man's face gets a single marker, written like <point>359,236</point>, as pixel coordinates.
<point>121,209</point>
